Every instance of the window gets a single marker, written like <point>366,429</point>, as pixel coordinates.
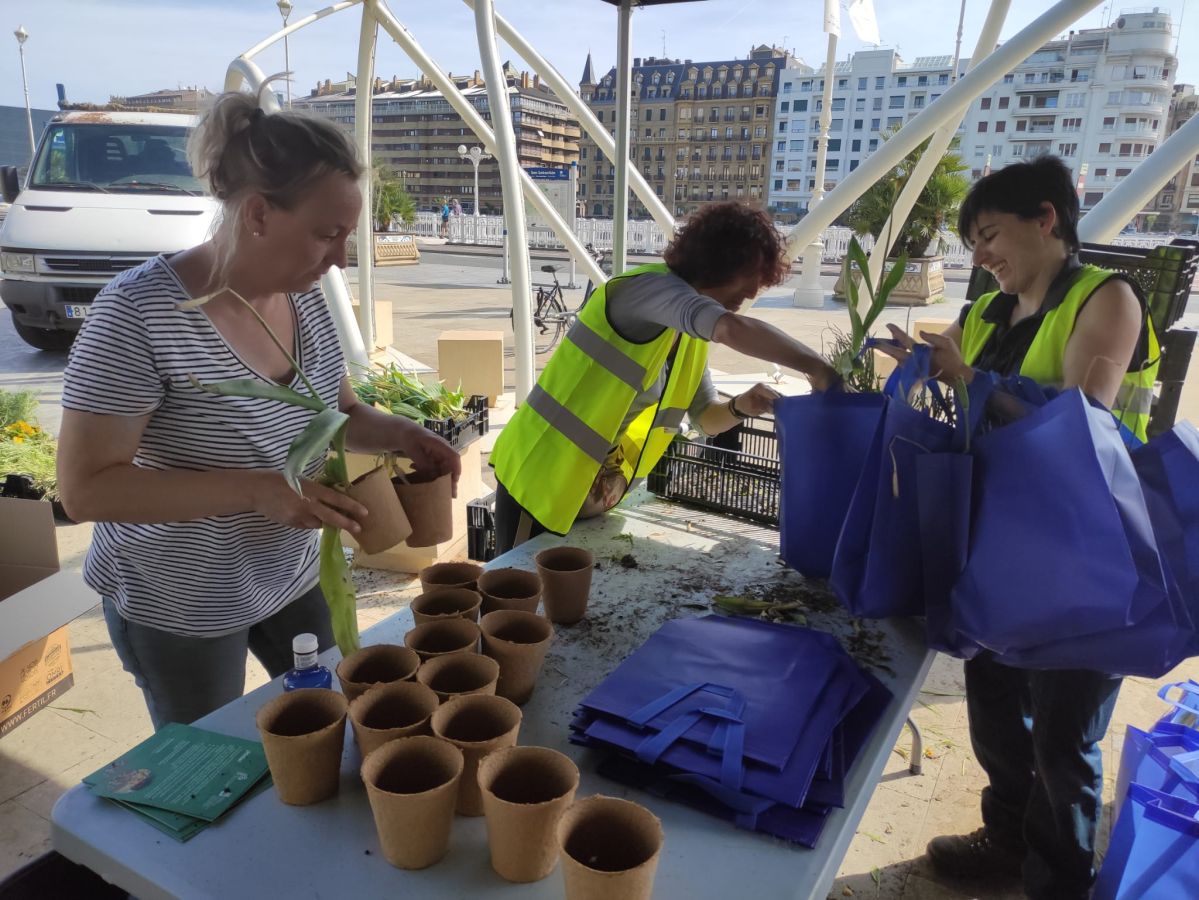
<point>1105,149</point>
<point>778,184</point>
<point>838,104</point>
<point>1004,101</point>
<point>780,146</point>
<point>875,124</point>
<point>837,125</point>
<point>922,81</point>
<point>796,146</point>
<point>786,106</point>
<point>859,105</point>
<point>649,115</point>
<point>834,145</point>
<point>861,84</point>
<point>786,87</point>
<point>782,126</point>
<point>1123,173</point>
<point>857,124</point>
<point>880,82</point>
<point>842,83</point>
<point>873,145</point>
<point>901,81</point>
<point>832,164</point>
<point>1114,98</point>
<point>1000,127</point>
<point>1009,78</point>
<point>1101,173</point>
<point>855,146</point>
<point>1109,123</point>
<point>876,103</point>
<point>662,115</point>
<point>583,155</point>
<point>1090,198</point>
<point>982,127</point>
<point>649,133</point>
<point>798,125</point>
<point>894,121</point>
<point>1067,149</point>
<point>986,102</point>
<point>800,106</point>
<point>943,79</point>
<point>895,101</point>
<point>918,101</point>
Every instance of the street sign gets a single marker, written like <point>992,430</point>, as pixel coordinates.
<point>559,185</point>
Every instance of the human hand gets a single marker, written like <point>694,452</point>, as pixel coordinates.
<point>945,361</point>
<point>824,378</point>
<point>430,453</point>
<point>319,505</point>
<point>757,401</point>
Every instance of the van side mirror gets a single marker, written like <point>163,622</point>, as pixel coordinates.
<point>10,185</point>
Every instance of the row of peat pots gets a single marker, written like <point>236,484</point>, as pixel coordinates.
<point>437,722</point>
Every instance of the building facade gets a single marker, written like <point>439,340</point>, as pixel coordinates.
<point>1177,203</point>
<point>1098,98</point>
<point>416,133</point>
<point>699,131</point>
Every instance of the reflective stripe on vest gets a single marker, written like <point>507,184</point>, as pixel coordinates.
<point>1046,355</point>
<point>549,453</point>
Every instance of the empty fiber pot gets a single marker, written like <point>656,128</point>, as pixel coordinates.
<point>518,641</point>
<point>303,733</point>
<point>450,574</point>
<point>565,582</point>
<point>446,603</point>
<point>525,791</point>
<point>509,589</point>
<point>610,848</point>
<point>476,724</point>
<point>459,673</point>
<point>412,784</point>
<point>377,664</point>
<point>386,523</point>
<point>428,503</point>
<point>434,639</point>
<point>390,711</point>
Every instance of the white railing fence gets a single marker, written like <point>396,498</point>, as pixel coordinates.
<point>646,238</point>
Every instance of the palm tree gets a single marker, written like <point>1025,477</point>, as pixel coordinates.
<point>391,202</point>
<point>935,210</point>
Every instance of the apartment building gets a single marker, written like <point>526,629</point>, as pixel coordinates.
<point>874,92</point>
<point>416,132</point>
<point>1098,98</point>
<point>1177,203</point>
<point>699,131</point>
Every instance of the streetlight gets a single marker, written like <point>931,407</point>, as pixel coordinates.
<point>285,8</point>
<point>476,156</point>
<point>22,36</point>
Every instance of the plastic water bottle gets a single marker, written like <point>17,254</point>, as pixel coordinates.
<point>307,673</point>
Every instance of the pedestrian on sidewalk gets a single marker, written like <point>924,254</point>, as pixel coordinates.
<point>1037,733</point>
<point>201,549</point>
<point>445,217</point>
<point>613,396</point>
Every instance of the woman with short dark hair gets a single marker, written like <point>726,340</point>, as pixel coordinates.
<point>634,364</point>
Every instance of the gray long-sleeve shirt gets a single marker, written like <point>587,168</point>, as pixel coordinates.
<point>642,307</point>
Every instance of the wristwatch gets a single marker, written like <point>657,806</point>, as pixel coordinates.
<point>733,409</point>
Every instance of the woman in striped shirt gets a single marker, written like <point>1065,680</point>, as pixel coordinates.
<point>201,550</point>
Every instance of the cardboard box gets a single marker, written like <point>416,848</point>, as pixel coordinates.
<point>474,360</point>
<point>36,602</point>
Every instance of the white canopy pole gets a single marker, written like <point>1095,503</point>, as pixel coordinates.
<point>809,293</point>
<point>953,102</point>
<point>936,149</point>
<point>624,75</point>
<point>1119,207</point>
<point>514,208</point>
<point>590,124</point>
<point>364,94</point>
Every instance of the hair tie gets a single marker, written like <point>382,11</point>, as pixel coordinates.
<point>258,115</point>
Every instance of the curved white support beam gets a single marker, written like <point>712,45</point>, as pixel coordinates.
<point>624,107</point>
<point>937,147</point>
<point>475,122</point>
<point>297,25</point>
<point>364,95</point>
<point>953,102</point>
<point>587,120</point>
<point>243,71</point>
<point>514,210</point>
<point>1120,206</point>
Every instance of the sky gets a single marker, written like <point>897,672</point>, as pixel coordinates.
<point>98,48</point>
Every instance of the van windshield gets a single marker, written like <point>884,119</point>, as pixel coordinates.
<point>115,158</point>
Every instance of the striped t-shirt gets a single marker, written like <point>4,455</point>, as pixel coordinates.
<point>133,357</point>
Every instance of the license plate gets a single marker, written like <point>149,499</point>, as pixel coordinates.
<point>76,312</point>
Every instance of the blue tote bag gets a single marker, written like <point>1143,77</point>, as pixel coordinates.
<point>1061,541</point>
<point>1165,759</point>
<point>824,439</point>
<point>877,567</point>
<point>1154,850</point>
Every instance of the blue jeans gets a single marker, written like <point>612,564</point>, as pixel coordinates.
<point>185,678</point>
<point>1036,735</point>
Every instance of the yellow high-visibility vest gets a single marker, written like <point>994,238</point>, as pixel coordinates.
<point>1043,362</point>
<point>548,455</point>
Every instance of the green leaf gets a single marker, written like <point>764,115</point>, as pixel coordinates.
<point>338,588</point>
<point>851,287</point>
<point>311,443</point>
<point>258,389</point>
<point>890,282</point>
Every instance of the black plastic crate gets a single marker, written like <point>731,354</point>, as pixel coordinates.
<point>1164,273</point>
<point>461,432</point>
<point>733,482</point>
<point>480,529</point>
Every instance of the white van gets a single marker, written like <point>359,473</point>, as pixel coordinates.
<point>106,191</point>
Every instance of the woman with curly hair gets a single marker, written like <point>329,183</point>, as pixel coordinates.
<point>635,364</point>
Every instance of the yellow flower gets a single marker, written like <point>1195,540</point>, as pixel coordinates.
<point>17,439</point>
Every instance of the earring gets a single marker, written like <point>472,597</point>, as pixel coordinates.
<point>256,233</point>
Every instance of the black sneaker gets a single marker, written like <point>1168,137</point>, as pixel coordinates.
<point>975,855</point>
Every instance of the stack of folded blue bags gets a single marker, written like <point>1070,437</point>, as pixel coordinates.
<point>1154,849</point>
<point>755,722</point>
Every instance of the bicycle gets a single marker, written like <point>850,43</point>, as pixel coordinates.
<point>551,318</point>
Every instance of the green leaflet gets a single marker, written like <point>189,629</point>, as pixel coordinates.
<point>338,588</point>
<point>311,443</point>
<point>254,387</point>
